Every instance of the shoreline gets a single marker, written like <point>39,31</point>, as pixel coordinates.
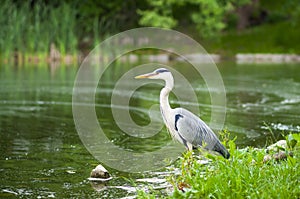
<point>240,58</point>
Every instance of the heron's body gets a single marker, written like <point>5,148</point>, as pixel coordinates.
<point>183,125</point>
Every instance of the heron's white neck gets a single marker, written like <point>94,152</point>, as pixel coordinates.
<point>164,95</point>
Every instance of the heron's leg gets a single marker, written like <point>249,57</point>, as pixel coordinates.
<point>189,146</point>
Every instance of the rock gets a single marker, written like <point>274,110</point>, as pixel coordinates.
<point>162,58</point>
<point>99,178</point>
<point>280,156</point>
<point>267,158</point>
<point>100,172</point>
<point>281,144</point>
<point>242,58</point>
<point>203,162</point>
<point>200,58</point>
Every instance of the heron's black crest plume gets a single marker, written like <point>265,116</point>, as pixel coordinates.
<point>162,70</point>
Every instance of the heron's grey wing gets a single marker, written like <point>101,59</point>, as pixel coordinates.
<point>193,129</point>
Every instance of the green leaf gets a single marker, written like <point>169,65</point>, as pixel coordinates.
<point>292,140</point>
<point>291,161</point>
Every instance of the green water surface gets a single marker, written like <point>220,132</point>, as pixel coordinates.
<point>41,154</point>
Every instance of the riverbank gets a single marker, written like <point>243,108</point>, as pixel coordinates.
<point>240,58</point>
<point>30,29</point>
<point>247,174</point>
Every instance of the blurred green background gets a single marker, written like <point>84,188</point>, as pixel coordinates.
<point>223,27</point>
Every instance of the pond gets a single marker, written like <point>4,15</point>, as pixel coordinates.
<point>42,155</point>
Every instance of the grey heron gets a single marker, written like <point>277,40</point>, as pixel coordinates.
<point>182,124</point>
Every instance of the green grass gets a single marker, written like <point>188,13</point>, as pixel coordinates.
<point>244,175</point>
<point>281,37</point>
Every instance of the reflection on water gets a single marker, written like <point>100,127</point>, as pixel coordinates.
<point>41,154</point>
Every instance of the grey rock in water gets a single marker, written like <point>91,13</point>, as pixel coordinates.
<point>99,172</point>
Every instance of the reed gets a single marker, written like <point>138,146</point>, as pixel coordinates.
<point>29,30</point>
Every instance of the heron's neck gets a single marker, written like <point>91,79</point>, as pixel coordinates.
<point>164,96</point>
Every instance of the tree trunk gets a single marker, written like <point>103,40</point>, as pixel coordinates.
<point>244,13</point>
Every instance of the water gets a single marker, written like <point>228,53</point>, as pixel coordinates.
<point>41,154</point>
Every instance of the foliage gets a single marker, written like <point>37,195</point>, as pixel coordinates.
<point>257,40</point>
<point>244,175</point>
<point>29,27</point>
<point>102,14</point>
<point>160,15</point>
<point>209,20</point>
<point>282,10</point>
<point>207,15</point>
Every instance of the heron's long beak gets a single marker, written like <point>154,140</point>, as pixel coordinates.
<point>147,75</point>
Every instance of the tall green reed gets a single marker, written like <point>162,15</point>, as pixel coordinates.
<point>30,29</point>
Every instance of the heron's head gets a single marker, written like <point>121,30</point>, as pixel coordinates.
<point>161,73</point>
